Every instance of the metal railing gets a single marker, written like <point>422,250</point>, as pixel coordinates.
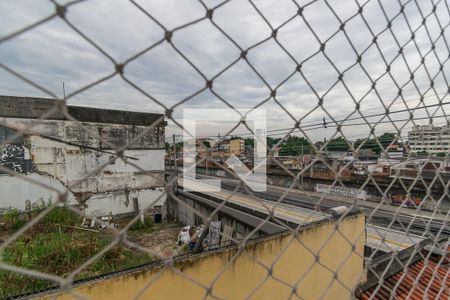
<point>390,56</point>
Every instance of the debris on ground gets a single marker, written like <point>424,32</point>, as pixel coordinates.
<point>162,240</point>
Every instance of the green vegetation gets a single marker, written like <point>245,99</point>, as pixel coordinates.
<point>207,144</point>
<point>385,140</point>
<point>147,226</point>
<point>13,220</point>
<point>295,145</point>
<point>338,144</point>
<point>57,246</point>
<point>270,141</point>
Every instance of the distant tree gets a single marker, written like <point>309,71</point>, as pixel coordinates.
<point>272,141</point>
<point>179,146</point>
<point>295,145</point>
<point>319,144</point>
<point>233,137</point>
<point>338,144</point>
<point>249,142</point>
<point>269,140</point>
<point>385,140</point>
<point>207,144</point>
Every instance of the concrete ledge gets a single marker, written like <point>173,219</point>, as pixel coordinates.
<point>33,108</point>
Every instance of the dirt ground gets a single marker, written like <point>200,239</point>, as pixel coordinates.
<point>162,239</point>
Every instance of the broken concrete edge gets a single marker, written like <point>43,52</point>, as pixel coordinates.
<point>107,150</point>
<point>393,262</point>
<point>187,258</point>
<point>34,108</point>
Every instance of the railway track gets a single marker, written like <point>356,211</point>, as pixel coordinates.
<point>414,224</point>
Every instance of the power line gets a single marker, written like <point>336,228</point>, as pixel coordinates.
<point>308,123</point>
<point>323,124</point>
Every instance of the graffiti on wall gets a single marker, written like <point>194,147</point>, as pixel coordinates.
<point>17,158</point>
<point>340,191</point>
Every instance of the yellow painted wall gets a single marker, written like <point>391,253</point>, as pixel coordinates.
<point>236,146</point>
<point>289,259</point>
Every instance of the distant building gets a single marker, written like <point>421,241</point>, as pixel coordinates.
<point>365,155</point>
<point>429,139</point>
<point>426,167</point>
<point>394,152</point>
<point>237,146</point>
<point>338,155</point>
<point>290,161</point>
<point>223,146</point>
<point>202,145</point>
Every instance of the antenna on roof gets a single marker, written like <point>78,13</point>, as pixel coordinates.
<point>64,91</point>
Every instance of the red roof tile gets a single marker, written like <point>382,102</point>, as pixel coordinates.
<point>428,279</point>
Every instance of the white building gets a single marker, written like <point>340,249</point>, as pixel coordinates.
<point>429,139</point>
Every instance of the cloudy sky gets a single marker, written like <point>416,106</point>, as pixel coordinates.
<point>54,52</point>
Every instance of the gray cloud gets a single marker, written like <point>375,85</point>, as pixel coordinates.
<point>53,53</point>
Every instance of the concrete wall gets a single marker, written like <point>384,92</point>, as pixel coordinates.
<point>242,276</point>
<point>14,193</point>
<point>65,155</point>
<point>33,108</point>
<point>184,214</point>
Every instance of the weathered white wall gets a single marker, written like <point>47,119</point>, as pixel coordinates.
<point>63,154</point>
<point>14,192</point>
<point>119,203</point>
<point>340,191</point>
<point>89,133</point>
<point>70,163</point>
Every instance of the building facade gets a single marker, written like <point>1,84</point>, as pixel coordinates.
<point>429,139</point>
<point>79,157</point>
<point>237,146</point>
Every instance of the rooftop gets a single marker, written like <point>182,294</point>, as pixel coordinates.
<point>422,279</point>
<point>390,240</point>
<point>33,108</point>
<point>293,214</point>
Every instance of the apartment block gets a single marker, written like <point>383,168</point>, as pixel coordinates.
<point>429,139</point>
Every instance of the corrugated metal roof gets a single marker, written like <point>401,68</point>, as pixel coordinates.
<point>290,213</point>
<point>424,279</point>
<point>389,240</point>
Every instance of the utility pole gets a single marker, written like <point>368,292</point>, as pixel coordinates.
<point>175,165</point>
<point>302,167</point>
<point>206,155</point>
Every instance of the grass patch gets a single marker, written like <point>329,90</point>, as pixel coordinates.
<point>53,246</point>
<point>13,220</point>
<point>147,226</point>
